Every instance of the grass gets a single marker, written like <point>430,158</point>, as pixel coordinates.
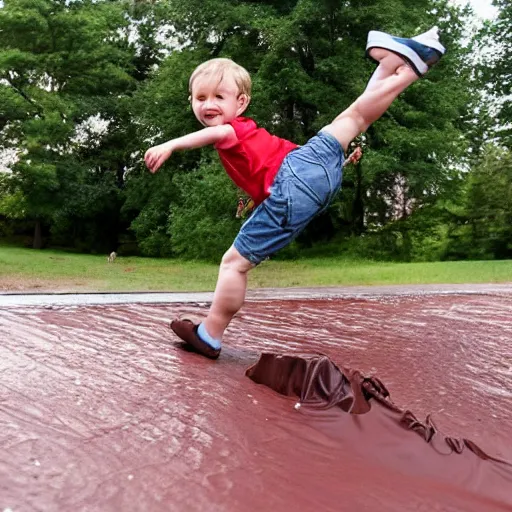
<point>50,270</point>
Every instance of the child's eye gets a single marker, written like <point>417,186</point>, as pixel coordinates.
<point>200,98</point>
<point>220,97</point>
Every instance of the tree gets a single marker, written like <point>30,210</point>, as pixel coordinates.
<point>496,70</point>
<point>127,66</point>
<point>306,61</point>
<point>484,230</point>
<point>61,63</point>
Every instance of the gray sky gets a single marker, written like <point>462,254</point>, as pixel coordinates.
<point>482,8</point>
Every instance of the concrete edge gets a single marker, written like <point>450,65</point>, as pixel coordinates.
<point>98,298</point>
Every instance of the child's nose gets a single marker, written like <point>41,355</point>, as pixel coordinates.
<point>209,103</point>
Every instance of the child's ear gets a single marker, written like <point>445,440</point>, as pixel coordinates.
<point>243,103</point>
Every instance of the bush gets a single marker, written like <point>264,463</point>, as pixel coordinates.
<point>202,223</point>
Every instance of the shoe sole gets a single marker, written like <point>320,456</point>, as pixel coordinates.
<point>382,40</point>
<point>185,329</point>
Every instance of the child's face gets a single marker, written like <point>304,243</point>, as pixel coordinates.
<point>215,103</point>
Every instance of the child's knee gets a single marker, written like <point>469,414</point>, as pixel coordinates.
<point>343,129</point>
<point>233,260</point>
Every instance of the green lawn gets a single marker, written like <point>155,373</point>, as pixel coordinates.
<point>47,270</point>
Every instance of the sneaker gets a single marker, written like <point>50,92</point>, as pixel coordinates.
<point>421,52</point>
<point>186,329</point>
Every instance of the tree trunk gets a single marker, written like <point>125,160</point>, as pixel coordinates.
<point>38,237</point>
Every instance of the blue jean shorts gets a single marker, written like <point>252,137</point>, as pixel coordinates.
<point>308,179</point>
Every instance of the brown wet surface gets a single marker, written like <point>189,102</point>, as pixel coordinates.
<point>100,409</point>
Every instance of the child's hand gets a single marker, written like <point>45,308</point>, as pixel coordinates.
<point>156,156</point>
<point>354,157</point>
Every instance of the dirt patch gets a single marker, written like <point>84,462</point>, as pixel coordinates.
<point>35,284</point>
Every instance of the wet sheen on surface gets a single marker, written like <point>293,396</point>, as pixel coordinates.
<point>101,409</point>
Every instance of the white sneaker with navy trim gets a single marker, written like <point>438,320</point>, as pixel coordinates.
<point>422,51</point>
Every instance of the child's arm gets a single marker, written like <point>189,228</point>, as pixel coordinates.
<point>157,155</point>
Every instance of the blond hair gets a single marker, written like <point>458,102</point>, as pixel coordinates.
<point>217,68</point>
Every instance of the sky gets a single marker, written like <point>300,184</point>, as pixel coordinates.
<point>483,8</point>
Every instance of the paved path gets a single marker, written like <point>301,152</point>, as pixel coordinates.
<point>70,299</point>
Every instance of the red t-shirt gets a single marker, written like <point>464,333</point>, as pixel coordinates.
<point>253,160</point>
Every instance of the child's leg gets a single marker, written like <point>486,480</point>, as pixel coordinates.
<point>229,297</point>
<point>391,77</point>
<point>389,80</point>
<point>229,293</point>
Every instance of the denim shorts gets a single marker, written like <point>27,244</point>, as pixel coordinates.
<point>308,179</point>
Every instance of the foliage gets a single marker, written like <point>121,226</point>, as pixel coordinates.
<point>61,63</point>
<point>68,67</point>
<point>202,223</point>
<point>484,227</point>
<point>496,69</point>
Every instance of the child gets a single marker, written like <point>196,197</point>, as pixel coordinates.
<point>289,184</point>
